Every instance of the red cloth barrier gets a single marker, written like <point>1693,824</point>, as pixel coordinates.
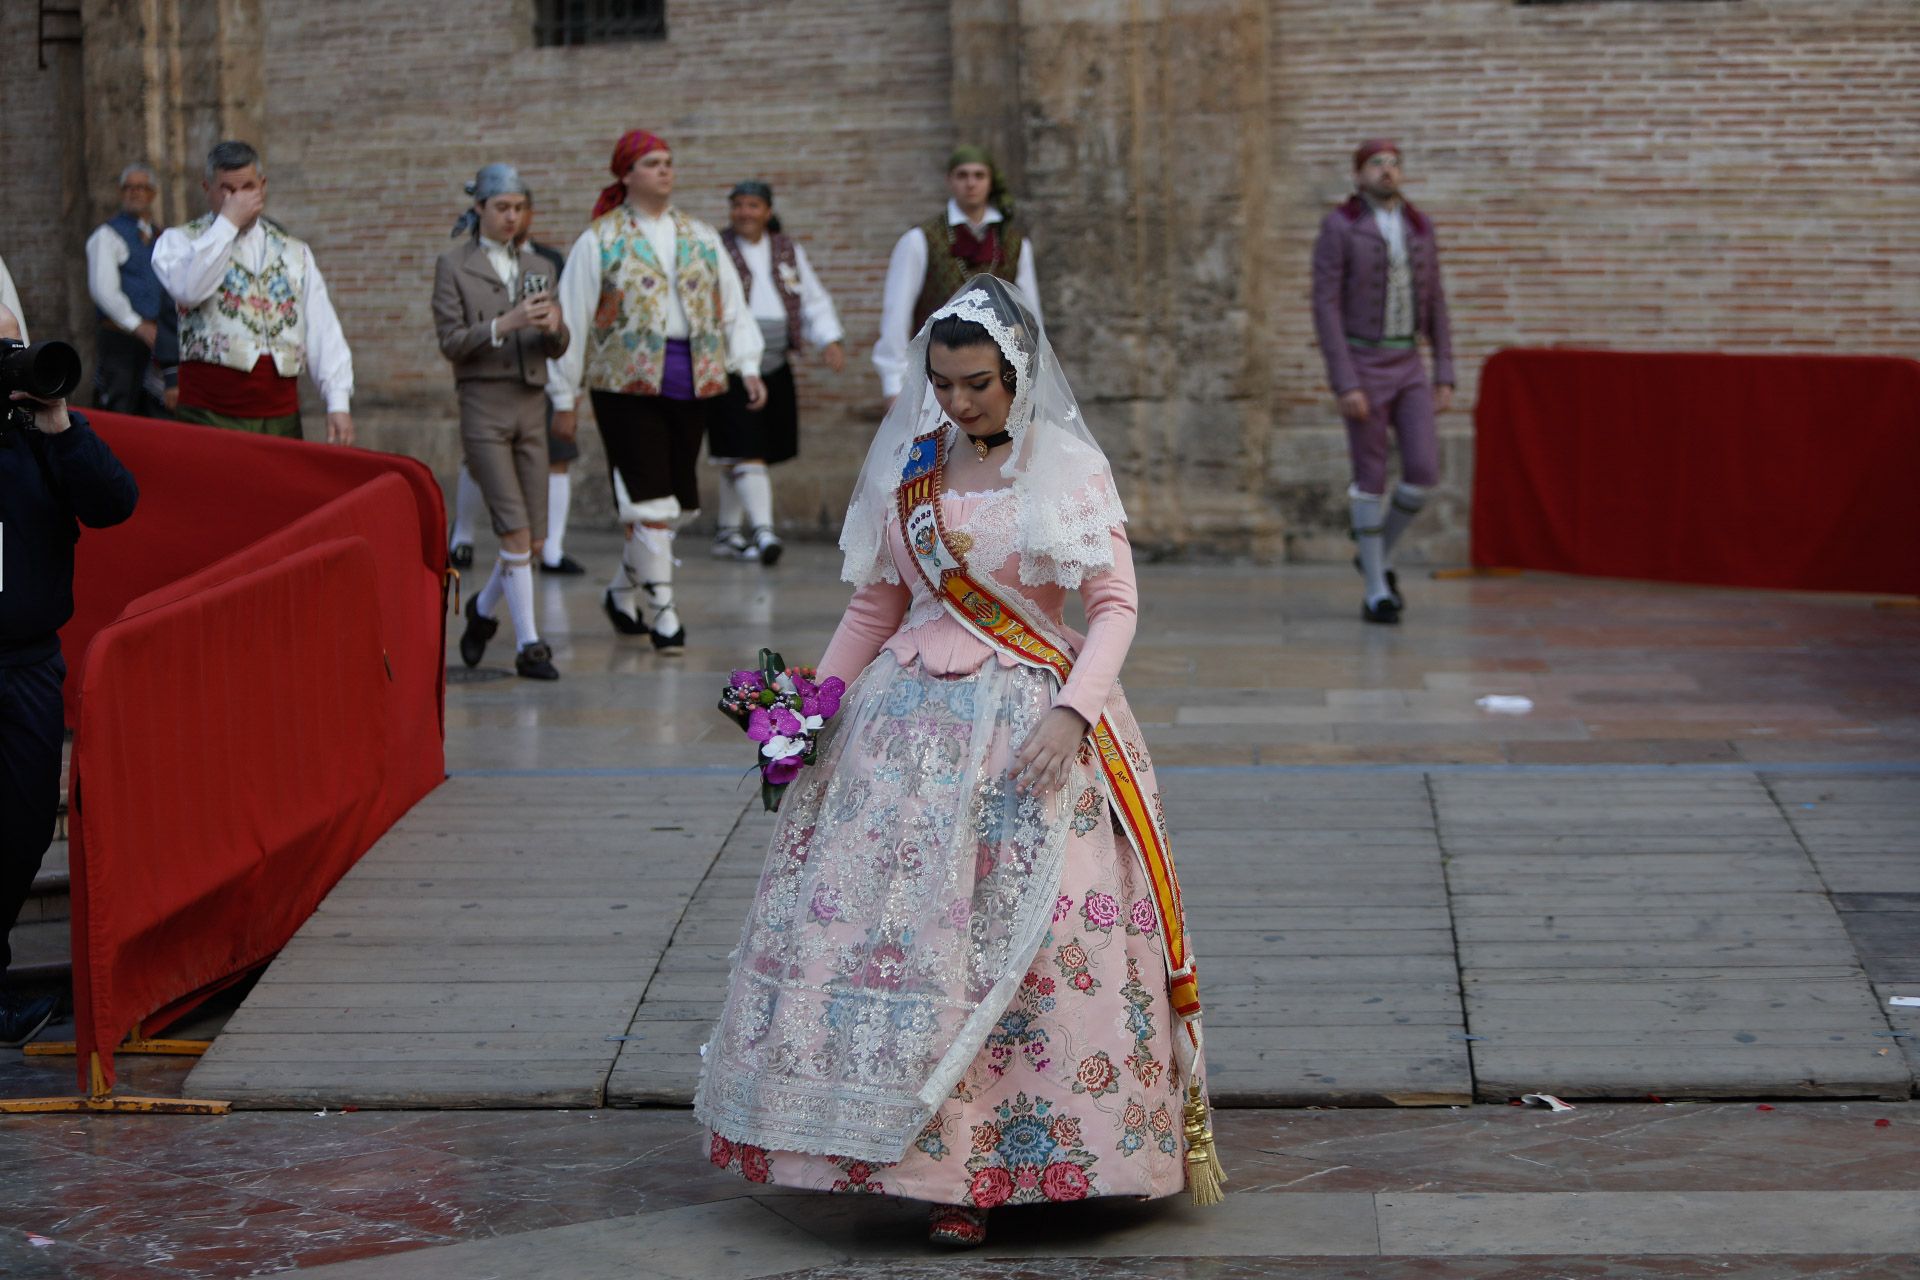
<point>205,493</point>
<point>266,703</point>
<point>1789,471</point>
<point>216,807</point>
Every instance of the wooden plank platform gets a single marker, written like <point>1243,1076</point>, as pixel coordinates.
<point>1320,920</point>
<point>1387,937</point>
<point>489,952</point>
<point>1652,935</point>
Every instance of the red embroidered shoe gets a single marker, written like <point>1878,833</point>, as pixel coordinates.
<point>957,1227</point>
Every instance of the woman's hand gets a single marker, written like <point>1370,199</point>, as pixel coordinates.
<point>1047,755</point>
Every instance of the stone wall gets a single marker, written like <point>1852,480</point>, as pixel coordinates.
<point>1618,173</point>
<point>1634,175</point>
<point>380,111</point>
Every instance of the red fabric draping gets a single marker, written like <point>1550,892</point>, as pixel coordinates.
<point>266,701</point>
<point>1785,471</point>
<point>227,767</point>
<point>206,492</point>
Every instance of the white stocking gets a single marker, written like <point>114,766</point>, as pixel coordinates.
<point>559,500</point>
<point>756,493</point>
<point>467,503</point>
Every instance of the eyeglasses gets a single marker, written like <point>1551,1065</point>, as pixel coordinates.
<point>138,186</point>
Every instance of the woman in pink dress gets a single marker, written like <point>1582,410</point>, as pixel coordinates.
<point>954,984</point>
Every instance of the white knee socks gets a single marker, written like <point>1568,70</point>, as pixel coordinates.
<point>559,499</point>
<point>519,593</point>
<point>488,601</point>
<point>1369,528</point>
<point>467,503</point>
<point>729,503</point>
<point>1408,500</point>
<point>512,578</point>
<point>755,487</point>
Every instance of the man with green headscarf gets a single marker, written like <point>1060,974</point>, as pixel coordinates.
<point>976,234</point>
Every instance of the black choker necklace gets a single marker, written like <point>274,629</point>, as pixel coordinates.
<point>982,445</point>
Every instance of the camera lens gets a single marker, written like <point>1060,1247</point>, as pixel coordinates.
<point>45,370</point>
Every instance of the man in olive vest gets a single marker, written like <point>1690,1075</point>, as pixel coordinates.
<point>253,310</point>
<point>661,322</point>
<point>977,233</point>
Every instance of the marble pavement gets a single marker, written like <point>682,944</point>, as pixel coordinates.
<point>1689,870</point>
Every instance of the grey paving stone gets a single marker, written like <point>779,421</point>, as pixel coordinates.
<point>1700,1223</point>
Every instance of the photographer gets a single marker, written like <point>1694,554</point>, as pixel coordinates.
<point>497,322</point>
<point>54,477</point>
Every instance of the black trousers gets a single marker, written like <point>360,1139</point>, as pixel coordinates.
<point>32,727</point>
<point>120,374</point>
<point>654,443</point>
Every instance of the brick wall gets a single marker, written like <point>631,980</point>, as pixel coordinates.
<point>378,111</point>
<point>1735,176</point>
<point>35,143</point>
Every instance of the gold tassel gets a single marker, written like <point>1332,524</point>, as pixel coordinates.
<point>1205,1177</point>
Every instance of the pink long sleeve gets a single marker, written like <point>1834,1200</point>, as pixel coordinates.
<point>1112,602</point>
<point>872,616</point>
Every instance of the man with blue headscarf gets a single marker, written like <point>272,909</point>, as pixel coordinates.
<point>497,321</point>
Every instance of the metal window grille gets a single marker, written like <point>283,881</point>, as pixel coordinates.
<point>570,22</point>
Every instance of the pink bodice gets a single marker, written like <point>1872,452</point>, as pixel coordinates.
<point>907,621</point>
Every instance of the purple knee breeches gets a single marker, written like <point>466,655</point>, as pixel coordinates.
<point>1398,397</point>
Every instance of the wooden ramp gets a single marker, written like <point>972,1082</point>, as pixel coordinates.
<point>488,952</point>
<point>1394,936</point>
<point>1638,933</point>
<point>1320,920</point>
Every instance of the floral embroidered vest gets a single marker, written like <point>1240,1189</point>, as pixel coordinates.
<point>786,277</point>
<point>947,271</point>
<point>627,343</point>
<point>249,315</point>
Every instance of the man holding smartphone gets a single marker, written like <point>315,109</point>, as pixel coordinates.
<point>493,308</point>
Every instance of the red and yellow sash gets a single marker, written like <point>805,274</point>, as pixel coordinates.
<point>977,607</point>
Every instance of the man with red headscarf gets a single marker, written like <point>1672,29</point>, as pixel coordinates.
<point>1376,290</point>
<point>664,321</point>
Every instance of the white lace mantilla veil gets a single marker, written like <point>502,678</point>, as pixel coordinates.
<point>1067,504</point>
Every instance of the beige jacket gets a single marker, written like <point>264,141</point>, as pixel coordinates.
<point>468,295</point>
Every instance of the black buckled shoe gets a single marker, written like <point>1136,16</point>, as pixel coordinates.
<point>671,642</point>
<point>24,1017</point>
<point>473,641</point>
<point>460,556</point>
<point>535,662</point>
<point>1393,583</point>
<point>1385,612</point>
<point>567,565</point>
<point>625,623</point>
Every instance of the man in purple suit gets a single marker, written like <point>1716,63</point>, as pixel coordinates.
<point>1376,290</point>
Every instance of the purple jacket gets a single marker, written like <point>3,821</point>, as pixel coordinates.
<point>1350,289</point>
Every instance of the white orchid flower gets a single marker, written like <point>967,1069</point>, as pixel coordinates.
<point>779,747</point>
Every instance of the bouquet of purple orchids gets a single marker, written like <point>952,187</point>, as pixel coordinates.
<point>784,710</point>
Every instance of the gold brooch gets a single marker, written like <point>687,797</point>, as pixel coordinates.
<point>960,543</point>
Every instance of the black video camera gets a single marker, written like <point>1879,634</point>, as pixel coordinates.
<point>44,370</point>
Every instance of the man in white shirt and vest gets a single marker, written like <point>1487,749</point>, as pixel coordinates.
<point>660,321</point>
<point>976,234</point>
<point>138,333</point>
<point>253,309</point>
<point>794,312</point>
